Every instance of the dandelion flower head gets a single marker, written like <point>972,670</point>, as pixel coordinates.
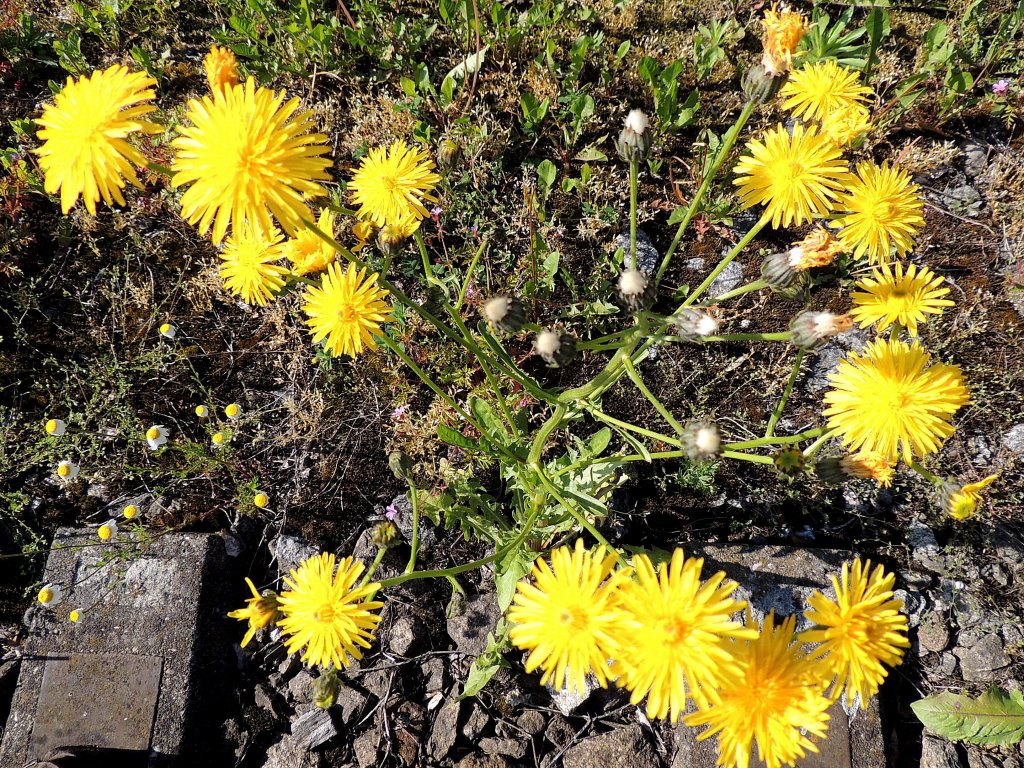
<point>568,616</point>
<point>883,212</point>
<point>248,264</point>
<point>906,298</point>
<point>392,182</point>
<point>816,90</point>
<point>776,701</point>
<point>845,125</point>
<point>797,177</point>
<point>326,614</point>
<point>783,32</point>
<point>678,644</point>
<point>346,311</point>
<point>962,502</point>
<point>818,249</point>
<point>221,68</point>
<point>247,155</point>
<point>306,251</point>
<point>890,400</point>
<point>860,631</point>
<point>260,610</point>
<point>870,465</point>
<point>85,151</point>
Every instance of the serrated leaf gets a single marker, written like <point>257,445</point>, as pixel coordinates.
<point>488,418</point>
<point>510,573</point>
<point>487,663</point>
<point>454,437</point>
<point>995,718</point>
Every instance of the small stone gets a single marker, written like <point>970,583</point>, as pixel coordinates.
<point>913,605</point>
<point>531,722</point>
<point>434,675</point>
<point>410,723</point>
<point>352,704</point>
<point>289,666</point>
<point>647,256</point>
<point>266,700</point>
<point>314,728</point>
<point>476,722</point>
<point>428,534</point>
<point>232,546</point>
<point>924,547</point>
<point>979,450</point>
<point>403,635</point>
<point>976,758</point>
<point>623,748</point>
<point>236,736</point>
<point>470,629</point>
<point>938,753</point>
<point>1013,636</point>
<point>997,573</point>
<point>728,278</point>
<point>365,749</point>
<point>289,551</point>
<point>975,158</point>
<point>982,659</point>
<point>933,634</point>
<point>1013,439</point>
<point>482,761</point>
<point>510,747</point>
<point>568,700</point>
<point>444,731</point>
<point>289,753</point>
<point>559,732</point>
<point>300,687</point>
<point>946,665</point>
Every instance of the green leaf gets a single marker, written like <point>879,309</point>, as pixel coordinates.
<point>487,663</point>
<point>590,154</point>
<point>599,442</point>
<point>546,173</point>
<point>995,718</point>
<point>452,437</point>
<point>488,418</point>
<point>510,572</point>
<point>678,215</point>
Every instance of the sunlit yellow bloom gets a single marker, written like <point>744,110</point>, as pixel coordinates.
<point>859,631</point>
<point>168,331</point>
<point>306,251</point>
<point>85,152</point>
<point>890,401</point>
<point>50,594</point>
<point>391,183</point>
<point>887,297</point>
<point>247,156</point>
<point>202,411</point>
<point>884,212</point>
<point>346,311</point>
<point>782,34</point>
<point>569,618</point>
<point>233,410</point>
<point>362,231</point>
<point>326,613</point>
<point>776,701</point>
<point>817,90</point>
<point>74,616</point>
<point>67,470</point>
<point>677,645</point>
<point>962,502</point>
<point>247,264</point>
<point>846,125</point>
<point>870,465</point>
<point>108,530</point>
<point>221,68</point>
<point>260,611</point>
<point>218,439</point>
<point>130,512</point>
<point>260,500</point>
<point>156,436</point>
<point>796,177</point>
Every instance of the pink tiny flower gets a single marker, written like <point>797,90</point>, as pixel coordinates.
<point>1000,87</point>
<point>391,512</point>
<point>399,412</point>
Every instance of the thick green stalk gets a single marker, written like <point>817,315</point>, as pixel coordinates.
<point>747,457</point>
<point>634,173</point>
<point>931,477</point>
<point>658,405</point>
<point>612,421</point>
<point>469,273</point>
<point>755,285</point>
<point>763,441</point>
<point>744,241</point>
<point>777,413</point>
<point>414,545</point>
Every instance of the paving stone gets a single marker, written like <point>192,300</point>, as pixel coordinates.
<point>624,748</point>
<point>981,657</point>
<point>151,617</point>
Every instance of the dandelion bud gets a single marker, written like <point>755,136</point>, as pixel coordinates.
<point>556,349</point>
<point>778,272</point>
<point>505,313</point>
<point>326,689</point>
<point>760,85</point>
<point>384,534</point>
<point>56,427</point>
<point>168,331</point>
<point>701,441</point>
<point>221,68</point>
<point>108,530</point>
<point>50,594</point>
<point>635,290</point>
<point>362,231</point>
<point>260,500</point>
<point>692,324</point>
<point>830,471</point>
<point>390,239</point>
<point>401,465</point>
<point>635,140</point>
<point>448,153</point>
<point>789,461</point>
<point>67,470</point>
<point>812,329</point>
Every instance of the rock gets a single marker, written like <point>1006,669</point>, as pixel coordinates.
<point>946,665</point>
<point>938,753</point>
<point>300,687</point>
<point>913,605</point>
<point>997,573</point>
<point>314,728</point>
<point>444,731</point>
<point>410,723</point>
<point>289,551</point>
<point>976,758</point>
<point>267,700</point>
<point>975,158</point>
<point>623,748</point>
<point>289,753</point>
<point>979,450</point>
<point>1013,636</point>
<point>366,551</point>
<point>476,722</point>
<point>434,675</point>
<point>235,735</point>
<point>729,278</point>
<point>513,748</point>
<point>980,660</point>
<point>933,634</point>
<point>531,722</point>
<point>428,533</point>
<point>963,199</point>
<point>826,359</point>
<point>559,732</point>
<point>403,635</point>
<point>482,761</point>
<point>1013,440</point>
<point>924,547</point>
<point>289,666</point>
<point>365,748</point>
<point>647,256</point>
<point>568,700</point>
<point>352,704</point>
<point>469,630</point>
<point>232,546</point>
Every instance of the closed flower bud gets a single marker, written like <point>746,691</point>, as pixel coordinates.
<point>390,239</point>
<point>260,500</point>
<point>812,329</point>
<point>829,469</point>
<point>326,689</point>
<point>384,534</point>
<point>700,441</point>
<point>635,290</point>
<point>789,461</point>
<point>401,465</point>
<point>761,86</point>
<point>556,349</point>
<point>635,140</point>
<point>692,324</point>
<point>504,313</point>
<point>778,272</point>
<point>448,153</point>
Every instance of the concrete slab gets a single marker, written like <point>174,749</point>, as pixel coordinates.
<point>781,578</point>
<point>123,676</point>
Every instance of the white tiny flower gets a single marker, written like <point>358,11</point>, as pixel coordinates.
<point>56,427</point>
<point>233,411</point>
<point>202,411</point>
<point>156,436</point>
<point>67,470</point>
<point>707,326</point>
<point>50,594</point>
<point>637,121</point>
<point>108,530</point>
<point>168,331</point>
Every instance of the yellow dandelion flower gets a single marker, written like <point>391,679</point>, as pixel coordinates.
<point>260,610</point>
<point>347,310</point>
<point>859,631</point>
<point>782,34</point>
<point>677,647</point>
<point>904,298</point>
<point>817,90</point>
<point>326,613</point>
<point>85,151</point>
<point>869,465</point>
<point>247,264</point>
<point>362,231</point>
<point>846,125</point>
<point>392,183</point>
<point>776,701</point>
<point>221,68</point>
<point>569,617</point>
<point>306,251</point>
<point>962,502</point>
<point>248,155</point>
<point>796,177</point>
<point>889,400</point>
<point>884,212</point>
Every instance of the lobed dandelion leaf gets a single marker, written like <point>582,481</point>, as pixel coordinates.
<point>995,718</point>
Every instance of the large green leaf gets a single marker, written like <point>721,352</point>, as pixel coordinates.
<point>994,718</point>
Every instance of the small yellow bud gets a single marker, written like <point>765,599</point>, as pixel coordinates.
<point>107,531</point>
<point>168,331</point>
<point>233,411</point>
<point>130,512</point>
<point>202,411</point>
<point>218,439</point>
<point>74,616</point>
<point>260,500</point>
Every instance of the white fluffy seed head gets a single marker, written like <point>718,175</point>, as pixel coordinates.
<point>494,310</point>
<point>632,283</point>
<point>637,121</point>
<point>707,440</point>
<point>547,344</point>
<point>706,326</point>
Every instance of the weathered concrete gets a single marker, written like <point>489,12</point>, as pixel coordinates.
<point>143,639</point>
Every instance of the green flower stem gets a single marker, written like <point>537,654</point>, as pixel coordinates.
<point>763,441</point>
<point>428,270</point>
<point>777,413</point>
<point>614,339</point>
<point>756,285</point>
<point>612,421</point>
<point>456,569</point>
<point>747,457</point>
<point>634,173</point>
<point>812,450</point>
<point>587,462</point>
<point>161,169</point>
<point>929,476</point>
<point>744,241</point>
<point>658,405</point>
<point>469,273</point>
<point>547,429</point>
<point>491,379</point>
<point>511,369</point>
<point>338,209</point>
<point>381,551</point>
<point>414,545</point>
<point>723,152</point>
<point>895,330</point>
<point>775,336</point>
